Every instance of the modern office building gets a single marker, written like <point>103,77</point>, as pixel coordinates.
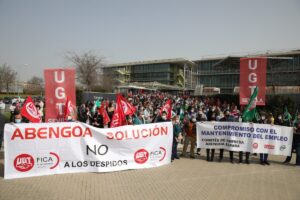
<point>169,74</point>
<point>283,72</point>
<point>210,75</point>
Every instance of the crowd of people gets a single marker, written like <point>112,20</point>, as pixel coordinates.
<point>186,111</point>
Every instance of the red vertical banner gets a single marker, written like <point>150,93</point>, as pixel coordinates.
<point>252,74</point>
<point>59,86</point>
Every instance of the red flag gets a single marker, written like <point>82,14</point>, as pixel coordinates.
<point>104,114</point>
<point>30,112</point>
<point>128,109</point>
<point>167,108</point>
<point>118,116</point>
<point>69,108</point>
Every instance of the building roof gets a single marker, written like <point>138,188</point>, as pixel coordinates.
<point>174,60</point>
<point>283,54</point>
<point>150,86</point>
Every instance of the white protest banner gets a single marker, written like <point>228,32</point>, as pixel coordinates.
<point>56,148</point>
<point>247,137</point>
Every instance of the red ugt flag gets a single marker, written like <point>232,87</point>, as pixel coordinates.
<point>70,109</point>
<point>118,117</point>
<point>167,108</point>
<point>104,114</point>
<point>30,112</point>
<point>128,109</point>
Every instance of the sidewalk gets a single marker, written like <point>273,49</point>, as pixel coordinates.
<point>183,179</point>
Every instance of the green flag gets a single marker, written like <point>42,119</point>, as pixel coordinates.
<point>286,115</point>
<point>256,116</point>
<point>295,121</point>
<point>250,111</point>
<point>181,114</point>
<point>96,105</point>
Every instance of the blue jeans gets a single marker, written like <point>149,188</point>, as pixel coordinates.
<point>174,150</point>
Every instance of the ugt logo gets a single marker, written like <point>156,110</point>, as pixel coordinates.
<point>141,156</point>
<point>24,162</point>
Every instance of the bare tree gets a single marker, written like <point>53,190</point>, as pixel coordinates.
<point>34,85</point>
<point>108,82</point>
<point>7,77</point>
<point>88,68</point>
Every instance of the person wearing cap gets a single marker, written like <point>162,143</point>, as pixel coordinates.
<point>190,130</point>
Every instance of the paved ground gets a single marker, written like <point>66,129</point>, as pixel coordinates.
<point>183,179</point>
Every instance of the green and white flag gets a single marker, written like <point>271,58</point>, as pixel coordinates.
<point>97,104</point>
<point>250,111</point>
<point>295,121</point>
<point>286,115</point>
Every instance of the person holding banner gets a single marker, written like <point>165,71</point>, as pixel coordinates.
<point>226,118</point>
<point>264,156</point>
<point>177,136</point>
<point>210,156</point>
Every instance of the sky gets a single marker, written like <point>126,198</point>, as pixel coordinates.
<point>37,34</point>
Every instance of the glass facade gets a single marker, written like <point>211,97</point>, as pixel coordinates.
<point>224,73</point>
<point>161,72</point>
<point>171,73</point>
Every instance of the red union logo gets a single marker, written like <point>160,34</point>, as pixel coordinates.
<point>269,146</point>
<point>24,162</point>
<point>125,108</point>
<point>31,109</point>
<point>141,156</point>
<point>255,146</point>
